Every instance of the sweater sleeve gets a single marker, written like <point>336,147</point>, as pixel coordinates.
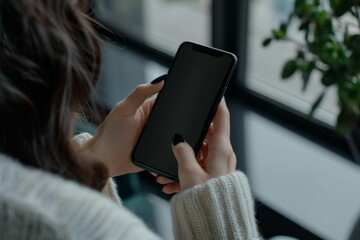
<point>221,208</point>
<point>110,188</point>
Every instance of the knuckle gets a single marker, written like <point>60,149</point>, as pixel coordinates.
<point>181,149</point>
<point>224,110</point>
<point>224,139</point>
<point>120,104</point>
<point>139,88</point>
<point>231,156</point>
<point>232,161</point>
<point>187,168</point>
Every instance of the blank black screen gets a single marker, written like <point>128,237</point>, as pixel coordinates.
<point>194,85</point>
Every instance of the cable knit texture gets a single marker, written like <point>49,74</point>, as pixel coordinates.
<point>222,208</point>
<point>38,205</point>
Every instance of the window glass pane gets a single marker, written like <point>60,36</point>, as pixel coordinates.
<point>265,64</point>
<point>305,182</point>
<point>122,70</point>
<point>163,24</point>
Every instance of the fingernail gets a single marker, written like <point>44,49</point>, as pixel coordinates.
<point>159,79</point>
<point>177,138</point>
<point>157,180</point>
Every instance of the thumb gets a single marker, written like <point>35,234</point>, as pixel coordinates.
<point>188,165</point>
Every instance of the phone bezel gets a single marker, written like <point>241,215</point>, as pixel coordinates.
<point>210,51</point>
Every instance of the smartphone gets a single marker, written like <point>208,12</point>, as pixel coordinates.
<point>196,82</point>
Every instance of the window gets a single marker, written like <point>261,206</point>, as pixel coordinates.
<point>162,24</point>
<point>275,143</point>
<point>122,71</point>
<point>265,64</point>
<point>309,184</point>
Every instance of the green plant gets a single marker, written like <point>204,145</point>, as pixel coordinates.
<point>331,46</point>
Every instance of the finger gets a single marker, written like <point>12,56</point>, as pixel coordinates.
<point>171,188</point>
<point>190,172</point>
<point>220,142</point>
<point>147,107</point>
<point>185,156</point>
<point>200,153</point>
<point>138,96</point>
<point>222,119</point>
<point>210,131</point>
<point>203,151</point>
<point>202,163</point>
<point>163,180</point>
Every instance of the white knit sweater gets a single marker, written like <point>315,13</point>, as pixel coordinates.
<point>38,205</point>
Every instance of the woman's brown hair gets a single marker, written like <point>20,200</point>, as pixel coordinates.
<point>49,65</point>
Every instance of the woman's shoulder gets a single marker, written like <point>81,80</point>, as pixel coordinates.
<point>27,183</point>
<point>79,211</point>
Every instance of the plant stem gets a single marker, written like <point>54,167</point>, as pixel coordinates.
<point>296,42</point>
<point>304,47</point>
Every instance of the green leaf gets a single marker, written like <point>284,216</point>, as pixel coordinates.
<point>312,47</point>
<point>332,53</point>
<point>283,28</point>
<point>304,25</point>
<point>346,121</point>
<point>328,26</point>
<point>289,69</point>
<point>306,73</point>
<point>355,62</point>
<point>302,9</point>
<point>329,78</point>
<point>278,34</point>
<point>316,104</point>
<point>307,34</point>
<point>347,37</point>
<point>348,92</point>
<point>340,7</point>
<point>299,6</point>
<point>355,43</point>
<point>301,54</point>
<point>299,3</point>
<point>267,42</point>
<point>334,3</point>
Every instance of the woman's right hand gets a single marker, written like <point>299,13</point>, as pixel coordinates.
<point>216,157</point>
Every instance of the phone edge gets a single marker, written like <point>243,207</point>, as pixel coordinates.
<point>209,118</point>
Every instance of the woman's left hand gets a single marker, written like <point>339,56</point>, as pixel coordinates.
<point>116,137</point>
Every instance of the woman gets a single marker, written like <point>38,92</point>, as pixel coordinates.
<point>50,184</point>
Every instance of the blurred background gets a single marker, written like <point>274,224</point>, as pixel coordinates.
<point>304,177</point>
